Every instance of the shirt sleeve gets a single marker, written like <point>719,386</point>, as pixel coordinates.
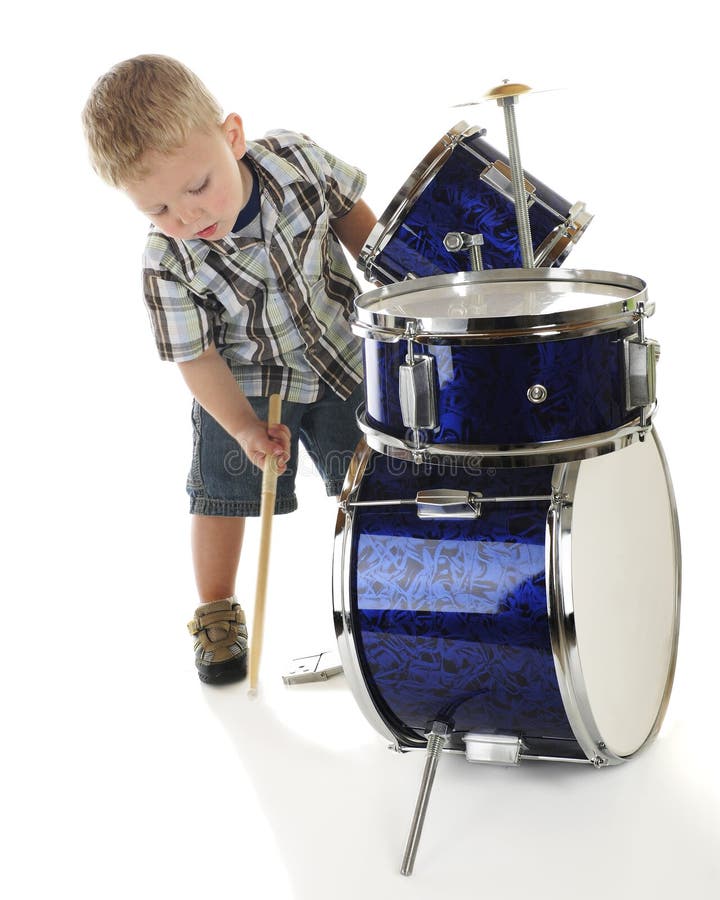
<point>344,183</point>
<point>341,183</point>
<point>180,325</point>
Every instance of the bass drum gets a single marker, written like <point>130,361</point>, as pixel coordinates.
<point>537,606</point>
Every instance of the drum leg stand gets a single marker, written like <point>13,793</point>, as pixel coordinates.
<point>437,738</point>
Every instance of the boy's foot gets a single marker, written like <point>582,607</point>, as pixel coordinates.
<point>220,641</point>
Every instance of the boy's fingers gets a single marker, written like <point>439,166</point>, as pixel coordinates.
<point>281,454</point>
<point>279,431</point>
<point>281,435</point>
<point>262,458</point>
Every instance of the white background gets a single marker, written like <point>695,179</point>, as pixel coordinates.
<point>122,776</point>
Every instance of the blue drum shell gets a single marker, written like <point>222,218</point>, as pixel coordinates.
<point>458,199</point>
<point>482,390</point>
<point>450,616</point>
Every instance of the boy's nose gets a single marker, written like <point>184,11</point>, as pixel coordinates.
<point>189,214</point>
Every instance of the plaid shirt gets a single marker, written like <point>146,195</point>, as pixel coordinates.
<point>276,306</point>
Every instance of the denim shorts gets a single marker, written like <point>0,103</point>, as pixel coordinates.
<point>223,481</point>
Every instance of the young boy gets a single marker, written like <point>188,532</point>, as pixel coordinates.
<point>249,292</point>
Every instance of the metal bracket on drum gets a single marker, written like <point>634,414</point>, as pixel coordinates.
<point>455,241</point>
<point>493,749</point>
<point>435,503</point>
<point>640,374</point>
<point>418,397</point>
<point>449,503</point>
<point>641,357</point>
<point>499,176</point>
<point>569,231</point>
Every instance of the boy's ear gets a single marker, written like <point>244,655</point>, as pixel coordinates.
<point>235,135</point>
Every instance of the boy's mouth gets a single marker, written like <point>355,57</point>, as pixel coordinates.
<point>207,232</point>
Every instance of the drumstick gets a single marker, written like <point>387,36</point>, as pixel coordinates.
<point>267,508</point>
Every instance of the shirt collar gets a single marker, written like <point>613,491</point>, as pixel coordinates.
<point>275,174</point>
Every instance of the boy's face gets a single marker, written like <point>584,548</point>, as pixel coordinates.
<point>198,190</point>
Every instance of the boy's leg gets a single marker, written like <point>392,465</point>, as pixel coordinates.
<point>219,623</point>
<point>216,544</point>
<point>330,433</point>
<point>224,488</point>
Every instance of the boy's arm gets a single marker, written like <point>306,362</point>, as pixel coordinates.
<point>215,389</point>
<point>354,227</point>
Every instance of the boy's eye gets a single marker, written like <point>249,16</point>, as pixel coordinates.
<point>202,187</point>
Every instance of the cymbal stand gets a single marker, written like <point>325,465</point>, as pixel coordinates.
<point>507,97</point>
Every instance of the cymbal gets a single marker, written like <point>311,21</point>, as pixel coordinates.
<point>505,90</point>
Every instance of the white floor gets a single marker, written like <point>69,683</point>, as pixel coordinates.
<point>127,778</point>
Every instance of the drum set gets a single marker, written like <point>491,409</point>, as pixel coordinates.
<point>507,557</point>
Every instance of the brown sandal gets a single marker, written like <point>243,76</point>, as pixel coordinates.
<point>220,641</point>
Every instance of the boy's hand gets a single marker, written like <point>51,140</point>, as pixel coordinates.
<point>259,441</point>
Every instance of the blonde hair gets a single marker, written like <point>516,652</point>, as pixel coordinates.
<point>148,103</point>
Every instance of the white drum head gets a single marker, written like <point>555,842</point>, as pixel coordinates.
<point>622,573</point>
<point>498,300</point>
<point>516,304</point>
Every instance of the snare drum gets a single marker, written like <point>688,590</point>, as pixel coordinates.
<point>464,185</point>
<point>512,365</point>
<point>535,609</point>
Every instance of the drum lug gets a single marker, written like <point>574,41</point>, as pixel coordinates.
<point>577,221</point>
<point>499,176</point>
<point>494,749</point>
<point>570,230</point>
<point>641,356</point>
<point>418,396</point>
<point>448,504</point>
<point>640,372</point>
<point>418,402</point>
